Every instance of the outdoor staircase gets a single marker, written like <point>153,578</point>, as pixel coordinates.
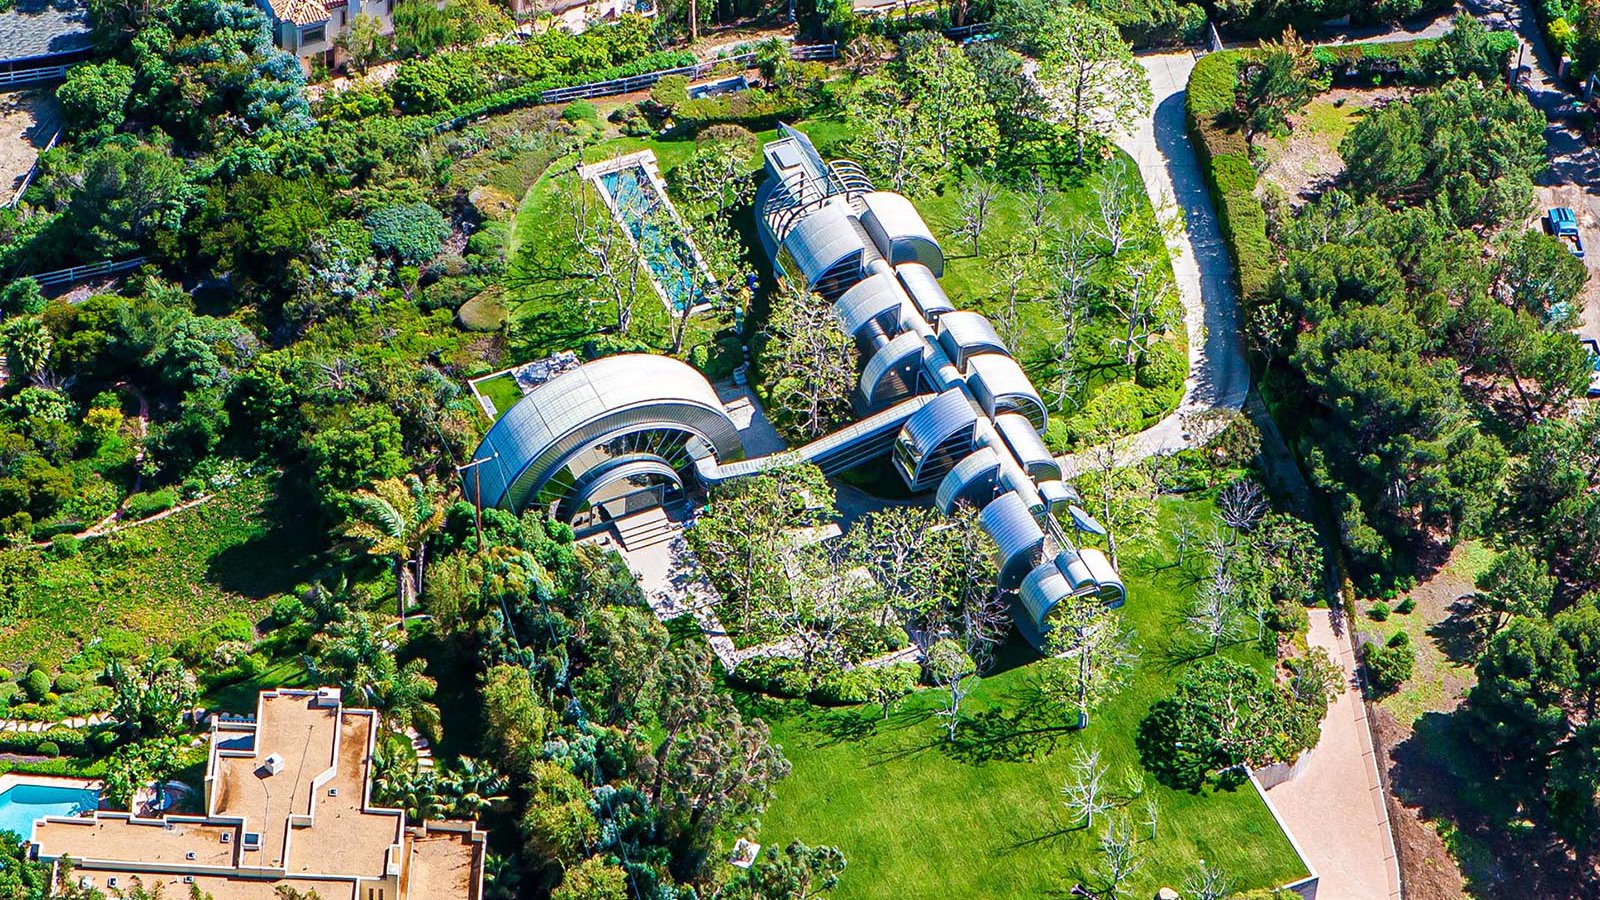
<point>644,529</point>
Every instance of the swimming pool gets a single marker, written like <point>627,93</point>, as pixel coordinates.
<point>641,208</point>
<point>21,804</point>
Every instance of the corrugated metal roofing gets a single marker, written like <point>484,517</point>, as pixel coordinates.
<point>898,230</point>
<point>999,383</point>
<point>1042,590</point>
<point>945,415</point>
<point>902,356</point>
<point>971,481</point>
<point>965,334</point>
<point>1029,448</point>
<point>823,240</point>
<point>876,298</point>
<point>1017,536</point>
<point>925,290</point>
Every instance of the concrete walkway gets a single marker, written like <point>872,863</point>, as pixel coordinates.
<point>1219,376</point>
<point>1334,803</point>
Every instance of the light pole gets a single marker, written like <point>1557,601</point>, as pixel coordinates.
<point>477,492</point>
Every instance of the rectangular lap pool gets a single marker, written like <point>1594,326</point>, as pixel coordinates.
<point>21,804</point>
<point>635,194</point>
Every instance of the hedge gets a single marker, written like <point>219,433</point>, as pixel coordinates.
<point>528,94</point>
<point>1225,160</point>
<point>71,741</point>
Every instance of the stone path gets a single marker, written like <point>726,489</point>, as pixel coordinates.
<point>1334,804</point>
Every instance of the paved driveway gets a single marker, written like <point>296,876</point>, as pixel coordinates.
<point>1334,805</point>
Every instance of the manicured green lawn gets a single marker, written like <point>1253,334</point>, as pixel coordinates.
<point>983,817</point>
<point>160,581</point>
<point>502,391</point>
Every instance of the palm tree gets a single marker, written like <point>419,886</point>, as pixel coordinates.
<point>354,654</point>
<point>469,787</point>
<point>395,518</point>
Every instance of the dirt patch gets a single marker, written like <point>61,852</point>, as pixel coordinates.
<point>28,119</point>
<point>1306,161</point>
<point>1427,869</point>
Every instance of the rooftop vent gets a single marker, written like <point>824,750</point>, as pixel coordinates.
<point>333,792</point>
<point>227,837</point>
<point>274,763</point>
<point>252,840</point>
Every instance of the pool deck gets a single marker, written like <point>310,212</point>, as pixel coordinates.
<point>645,160</point>
<point>10,780</point>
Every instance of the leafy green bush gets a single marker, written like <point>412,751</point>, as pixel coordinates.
<point>67,682</point>
<point>669,92</point>
<point>1379,612</point>
<point>867,684</point>
<point>1390,664</point>
<point>49,749</point>
<point>580,111</point>
<point>8,692</point>
<point>91,699</point>
<point>1225,160</point>
<point>51,743</point>
<point>779,676</point>
<point>1406,606</point>
<point>140,506</point>
<point>410,232</point>
<point>35,685</point>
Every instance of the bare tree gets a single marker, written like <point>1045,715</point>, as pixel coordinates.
<point>613,259</point>
<point>1115,224</point>
<point>1137,300</point>
<point>963,648</point>
<point>1041,195</point>
<point>1152,814</point>
<point>1214,613</point>
<point>1119,857</point>
<point>1085,792</point>
<point>976,203</point>
<point>953,671</point>
<point>1209,883</point>
<point>1242,504</point>
<point>1072,267</point>
<point>1015,272</point>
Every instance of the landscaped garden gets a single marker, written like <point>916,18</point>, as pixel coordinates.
<point>984,815</point>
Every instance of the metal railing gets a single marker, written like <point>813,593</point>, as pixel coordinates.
<point>32,76</point>
<point>33,170</point>
<point>648,79</point>
<point>75,274</point>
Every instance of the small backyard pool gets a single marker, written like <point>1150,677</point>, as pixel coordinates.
<point>643,209</point>
<point>21,804</point>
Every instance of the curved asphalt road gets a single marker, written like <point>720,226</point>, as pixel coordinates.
<point>1219,377</point>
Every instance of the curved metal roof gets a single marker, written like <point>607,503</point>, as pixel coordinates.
<point>592,403</point>
<point>999,384</point>
<point>902,356</point>
<point>1077,572</point>
<point>1017,536</point>
<point>1028,447</point>
<point>876,298</point>
<point>597,480</point>
<point>945,415</point>
<point>971,481</point>
<point>925,290</point>
<point>1042,591</point>
<point>899,231</point>
<point>1105,575</point>
<point>1058,493</point>
<point>965,334</point>
<point>822,241</point>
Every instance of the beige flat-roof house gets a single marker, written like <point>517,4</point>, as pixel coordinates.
<point>286,804</point>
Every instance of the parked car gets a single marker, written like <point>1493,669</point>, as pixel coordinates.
<point>1563,224</point>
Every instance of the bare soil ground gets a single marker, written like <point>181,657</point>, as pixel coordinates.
<point>1414,780</point>
<point>27,121</point>
<point>1306,161</point>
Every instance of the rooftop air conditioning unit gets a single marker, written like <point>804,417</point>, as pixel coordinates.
<point>112,882</point>
<point>274,763</point>
<point>188,879</point>
<point>227,837</point>
<point>333,792</point>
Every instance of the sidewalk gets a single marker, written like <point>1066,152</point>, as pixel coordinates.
<point>1334,804</point>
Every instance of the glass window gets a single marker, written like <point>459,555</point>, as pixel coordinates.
<point>314,35</point>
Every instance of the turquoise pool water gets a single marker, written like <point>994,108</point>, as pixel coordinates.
<point>670,257</point>
<point>22,804</point>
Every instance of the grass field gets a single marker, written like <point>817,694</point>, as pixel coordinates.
<point>160,581</point>
<point>983,817</point>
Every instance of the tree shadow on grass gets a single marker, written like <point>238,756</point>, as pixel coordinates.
<point>286,551</point>
<point>1025,728</point>
<point>1457,634</point>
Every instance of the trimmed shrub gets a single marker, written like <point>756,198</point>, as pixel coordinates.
<point>67,682</point>
<point>1406,606</point>
<point>1379,612</point>
<point>779,676</point>
<point>1390,664</point>
<point>49,749</point>
<point>580,111</point>
<point>35,685</point>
